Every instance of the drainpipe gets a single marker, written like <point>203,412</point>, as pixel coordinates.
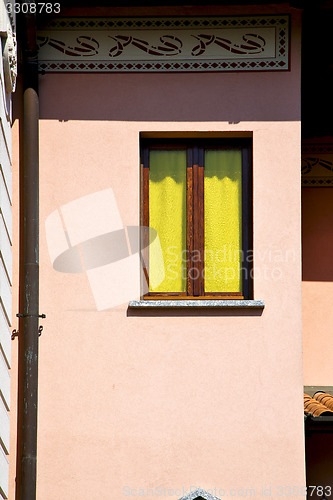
<point>29,268</point>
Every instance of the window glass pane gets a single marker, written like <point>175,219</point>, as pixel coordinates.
<point>167,214</point>
<point>223,220</point>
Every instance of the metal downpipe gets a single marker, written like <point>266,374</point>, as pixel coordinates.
<point>29,268</point>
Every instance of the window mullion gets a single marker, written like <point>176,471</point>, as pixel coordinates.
<point>247,216</point>
<point>197,255</point>
<point>194,269</point>
<point>190,228</point>
<point>201,222</point>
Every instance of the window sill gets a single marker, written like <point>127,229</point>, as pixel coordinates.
<point>211,303</point>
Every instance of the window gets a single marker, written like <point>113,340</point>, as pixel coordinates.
<point>197,195</point>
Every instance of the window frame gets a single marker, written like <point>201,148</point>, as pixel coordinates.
<point>195,150</point>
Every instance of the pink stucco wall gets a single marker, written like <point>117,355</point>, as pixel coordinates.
<point>138,401</point>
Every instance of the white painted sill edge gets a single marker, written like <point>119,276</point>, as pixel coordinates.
<point>211,303</point>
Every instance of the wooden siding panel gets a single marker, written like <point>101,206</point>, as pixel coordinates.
<point>5,249</point>
<point>4,474</point>
<point>4,428</point>
<point>5,337</point>
<point>5,293</point>
<point>5,265</point>
<point>5,164</point>
<point>4,382</point>
<point>5,207</point>
<point>5,127</point>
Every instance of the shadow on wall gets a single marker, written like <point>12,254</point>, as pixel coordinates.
<point>232,97</point>
<point>317,234</point>
<point>191,312</point>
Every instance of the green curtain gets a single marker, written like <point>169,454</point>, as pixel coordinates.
<point>223,220</point>
<point>167,214</point>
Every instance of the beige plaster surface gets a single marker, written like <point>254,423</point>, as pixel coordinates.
<point>317,332</point>
<point>168,401</point>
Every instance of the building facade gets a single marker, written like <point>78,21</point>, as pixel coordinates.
<point>171,362</point>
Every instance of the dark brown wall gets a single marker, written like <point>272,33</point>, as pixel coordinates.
<point>319,463</point>
<point>317,234</point>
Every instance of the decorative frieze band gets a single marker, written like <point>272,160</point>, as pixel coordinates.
<point>165,44</point>
<point>317,165</point>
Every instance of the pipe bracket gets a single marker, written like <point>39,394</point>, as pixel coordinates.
<point>15,333</point>
<point>30,315</point>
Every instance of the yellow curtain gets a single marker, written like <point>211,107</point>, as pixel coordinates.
<point>167,214</point>
<point>223,220</point>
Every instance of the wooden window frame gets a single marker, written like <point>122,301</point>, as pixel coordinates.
<point>195,216</point>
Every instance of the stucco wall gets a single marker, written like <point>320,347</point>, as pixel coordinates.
<point>140,401</point>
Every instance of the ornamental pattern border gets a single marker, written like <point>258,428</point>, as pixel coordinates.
<point>106,23</point>
<point>252,43</point>
<point>317,165</point>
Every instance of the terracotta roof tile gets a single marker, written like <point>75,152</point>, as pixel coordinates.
<point>324,398</point>
<point>320,405</point>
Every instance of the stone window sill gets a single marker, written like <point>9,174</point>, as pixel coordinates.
<point>199,304</point>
